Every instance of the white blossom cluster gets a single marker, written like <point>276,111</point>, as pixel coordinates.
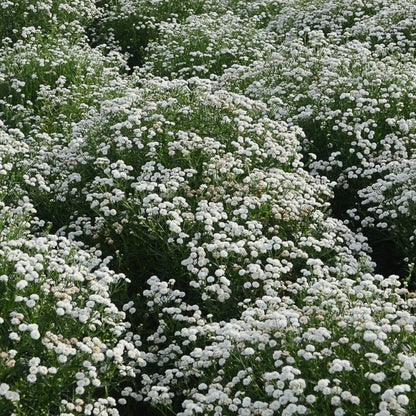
<point>390,203</point>
<point>61,324</point>
<point>137,27</point>
<point>47,83</point>
<point>204,45</point>
<point>233,204</point>
<point>243,223</point>
<point>130,25</point>
<point>58,323</point>
<point>175,183</point>
<point>354,105</point>
<point>61,16</point>
<point>379,23</point>
<point>349,88</point>
<point>299,353</point>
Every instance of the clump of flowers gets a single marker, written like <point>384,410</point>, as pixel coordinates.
<point>219,205</point>
<point>383,25</point>
<point>14,156</point>
<point>47,83</point>
<point>390,204</point>
<point>52,17</point>
<point>173,233</point>
<point>318,346</point>
<point>353,102</point>
<point>204,45</point>
<point>63,342</point>
<point>354,106</point>
<point>131,25</point>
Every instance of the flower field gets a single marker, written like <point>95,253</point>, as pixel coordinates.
<point>207,207</point>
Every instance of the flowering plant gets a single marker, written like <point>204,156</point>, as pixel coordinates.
<point>191,194</point>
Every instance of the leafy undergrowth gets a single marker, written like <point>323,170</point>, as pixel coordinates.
<point>207,207</point>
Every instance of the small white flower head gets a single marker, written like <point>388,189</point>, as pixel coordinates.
<point>375,388</point>
<point>35,334</point>
<point>4,387</point>
<point>248,351</point>
<point>21,284</point>
<point>31,378</point>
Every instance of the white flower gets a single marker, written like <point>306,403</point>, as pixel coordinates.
<point>4,388</point>
<point>355,400</point>
<point>246,402</point>
<point>21,284</point>
<point>35,334</point>
<point>96,382</point>
<point>52,370</point>
<point>301,409</point>
<point>346,395</point>
<point>23,327</point>
<point>335,400</point>
<point>31,378</point>
<point>369,336</point>
<point>248,351</point>
<point>174,227</point>
<point>34,361</point>
<point>375,388</point>
<point>379,377</point>
<point>43,370</point>
<point>388,395</point>
<point>14,336</point>
<point>310,398</point>
<point>62,358</point>
<point>403,400</point>
<point>13,396</point>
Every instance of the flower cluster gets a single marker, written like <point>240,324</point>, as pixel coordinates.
<point>185,193</point>
<point>350,92</point>
<point>353,105</point>
<point>291,357</point>
<point>52,17</point>
<point>231,206</point>
<point>390,204</point>
<point>204,45</point>
<point>63,341</point>
<point>386,23</point>
<point>47,83</point>
<point>133,25</point>
<point>58,324</point>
